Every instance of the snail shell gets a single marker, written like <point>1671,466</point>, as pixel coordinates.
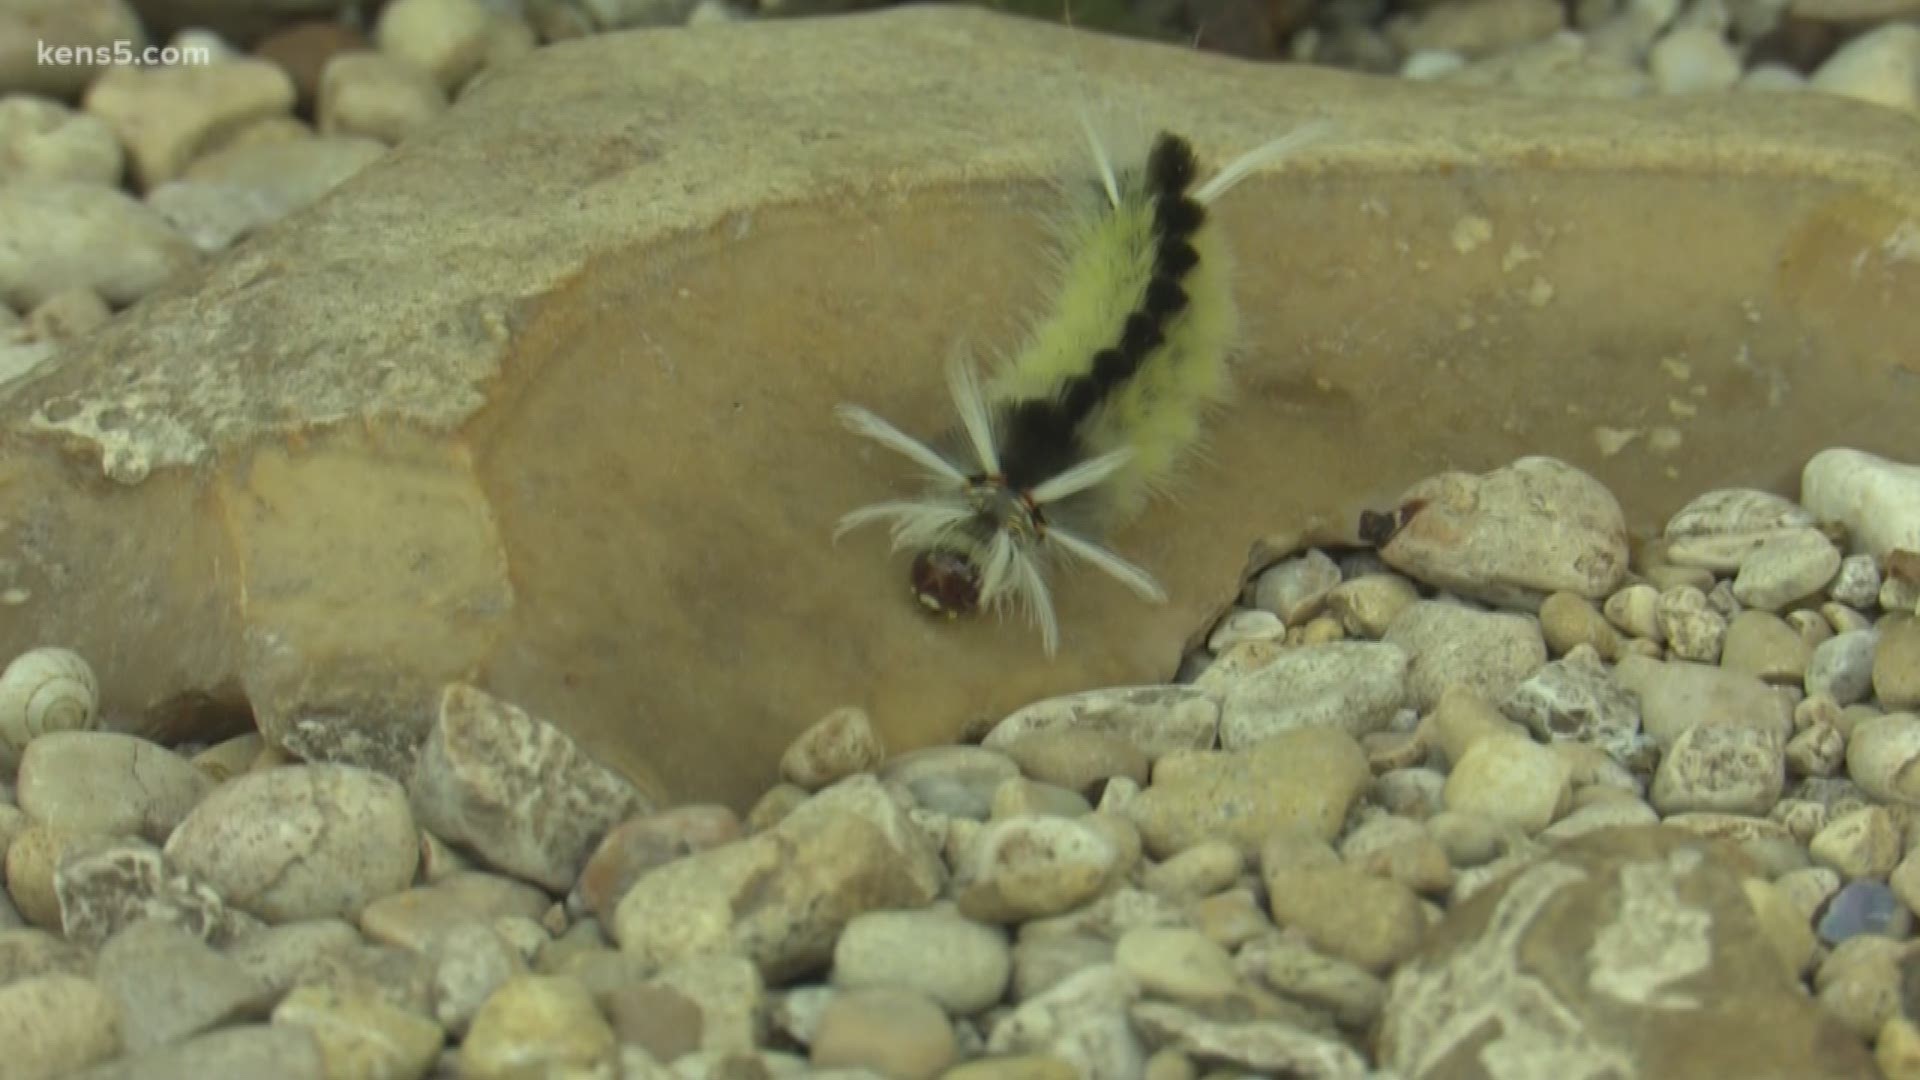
<point>45,690</point>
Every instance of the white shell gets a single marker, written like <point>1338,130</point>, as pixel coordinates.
<point>45,690</point>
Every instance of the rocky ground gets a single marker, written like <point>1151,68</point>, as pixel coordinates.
<point>1396,819</point>
<point>1390,822</point>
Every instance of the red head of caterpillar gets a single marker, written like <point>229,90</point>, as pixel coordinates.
<point>1095,410</point>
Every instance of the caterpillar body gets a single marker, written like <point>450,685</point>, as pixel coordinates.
<point>1073,435</point>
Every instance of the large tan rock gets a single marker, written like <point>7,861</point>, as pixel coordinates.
<point>543,401</point>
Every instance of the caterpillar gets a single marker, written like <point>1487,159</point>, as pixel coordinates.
<point>1073,435</point>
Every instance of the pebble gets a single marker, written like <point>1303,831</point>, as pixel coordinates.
<point>1820,750</point>
<point>1720,767</point>
<point>1452,645</point>
<point>1876,499</point>
<point>1788,566</point>
<point>108,783</point>
<point>1274,1048</point>
<point>378,96</point>
<point>360,1036</point>
<point>1350,993</point>
<point>484,754</point>
<point>1178,963</point>
<point>537,1023</point>
<point>1462,719</point>
<point>893,1031</point>
<point>1675,696</point>
<point>1487,536</point>
<point>1896,664</point>
<point>470,962</point>
<point>1568,621</point>
<point>1202,870</point>
<point>1763,645</point>
<point>1296,589</point>
<point>1693,60</point>
<point>1864,906</point>
<point>1156,719</point>
<point>300,842</point>
<point>64,235</point>
<point>1880,755</point>
<point>41,139</point>
<point>1689,625</point>
<point>446,38</point>
<point>1635,610</point>
<point>1244,625</point>
<point>171,986</point>
<point>644,842</point>
<point>1881,66</point>
<point>1897,1049</point>
<point>1841,667</point>
<point>1577,699</point>
<point>284,1053</point>
<point>1031,867</point>
<point>1858,582</point>
<point>1301,779</point>
<point>1515,781</point>
<point>232,193</point>
<point>55,1025</point>
<point>962,966</point>
<point>1366,605</point>
<point>1081,1020</point>
<point>1784,925</point>
<point>105,886</point>
<point>1079,759</point>
<point>1356,687</point>
<point>837,746</point>
<point>1859,983</point>
<point>1369,921</point>
<point>167,116</point>
<point>846,850</point>
<point>1477,29</point>
<point>1862,843</point>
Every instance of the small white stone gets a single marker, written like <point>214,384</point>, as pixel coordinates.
<point>1858,582</point>
<point>1771,78</point>
<point>1693,60</point>
<point>167,116</point>
<point>62,235</point>
<point>381,97</point>
<point>42,139</point>
<point>446,38</point>
<point>1788,566</point>
<point>1876,499</point>
<point>1428,64</point>
<point>1880,66</point>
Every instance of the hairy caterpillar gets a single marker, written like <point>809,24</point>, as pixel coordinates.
<point>1076,431</point>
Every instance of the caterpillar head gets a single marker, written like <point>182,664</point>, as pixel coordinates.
<point>977,541</point>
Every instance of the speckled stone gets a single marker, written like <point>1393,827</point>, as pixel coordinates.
<point>837,746</point>
<point>1354,686</point>
<point>961,965</point>
<point>1453,645</point>
<point>1841,667</point>
<point>1720,767</point>
<point>1301,779</point>
<point>300,842</point>
<point>1633,951</point>
<point>515,789</point>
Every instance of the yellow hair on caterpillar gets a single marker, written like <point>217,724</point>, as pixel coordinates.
<point>1070,437</point>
